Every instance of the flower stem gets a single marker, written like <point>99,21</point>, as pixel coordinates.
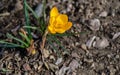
<point>44,39</point>
<point>43,44</point>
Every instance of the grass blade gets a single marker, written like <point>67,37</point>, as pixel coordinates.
<point>30,9</point>
<point>34,28</point>
<point>7,44</point>
<point>26,38</point>
<point>31,27</point>
<point>43,25</point>
<point>27,19</point>
<point>12,37</point>
<point>44,4</point>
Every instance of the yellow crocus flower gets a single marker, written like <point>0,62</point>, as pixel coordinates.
<point>58,23</point>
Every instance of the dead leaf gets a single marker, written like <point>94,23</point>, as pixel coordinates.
<point>53,66</point>
<point>73,66</point>
<point>18,6</point>
<point>31,48</point>
<point>59,60</point>
<point>23,31</point>
<point>74,54</point>
<point>84,47</point>
<point>62,71</point>
<point>46,53</point>
<point>27,67</point>
<point>40,66</point>
<point>14,31</point>
<point>46,65</point>
<point>52,57</point>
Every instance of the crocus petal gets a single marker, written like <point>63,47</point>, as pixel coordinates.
<point>68,26</point>
<point>62,19</point>
<point>54,12</point>
<point>51,29</point>
<point>60,30</point>
<point>52,20</point>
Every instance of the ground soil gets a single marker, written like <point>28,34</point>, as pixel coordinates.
<point>74,56</point>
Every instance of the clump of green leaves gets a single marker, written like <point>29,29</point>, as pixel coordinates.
<point>26,39</point>
<point>20,43</point>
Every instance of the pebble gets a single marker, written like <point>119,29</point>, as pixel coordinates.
<point>35,66</point>
<point>90,42</point>
<point>117,56</point>
<point>103,14</point>
<point>94,24</point>
<point>116,35</point>
<point>83,46</point>
<point>18,6</point>
<point>39,10</point>
<point>102,43</point>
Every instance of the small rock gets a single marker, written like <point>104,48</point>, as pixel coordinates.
<point>34,35</point>
<point>17,56</point>
<point>39,10</point>
<point>94,24</point>
<point>103,73</point>
<point>77,44</point>
<point>69,7</point>
<point>93,65</point>
<point>52,57</point>
<point>116,35</point>
<point>103,14</point>
<point>35,66</point>
<point>102,43</point>
<point>112,70</point>
<point>18,6</point>
<point>14,31</point>
<point>90,42</point>
<point>109,55</point>
<point>88,60</point>
<point>117,56</point>
<point>75,55</point>
<point>26,67</point>
<point>83,46</point>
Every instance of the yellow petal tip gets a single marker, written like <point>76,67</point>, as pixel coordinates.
<point>54,12</point>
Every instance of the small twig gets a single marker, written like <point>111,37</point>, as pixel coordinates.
<point>4,14</point>
<point>9,55</point>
